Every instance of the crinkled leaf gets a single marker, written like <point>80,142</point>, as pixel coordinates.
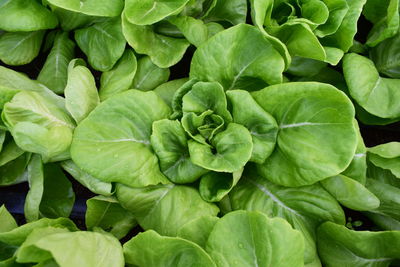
<point>103,43</point>
<point>113,142</point>
<point>216,185</point>
<point>120,77</point>
<point>169,142</point>
<point>230,151</point>
<point>316,139</point>
<point>19,48</point>
<point>55,70</point>
<point>232,11</point>
<point>262,126</point>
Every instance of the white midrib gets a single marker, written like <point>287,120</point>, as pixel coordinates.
<point>273,197</point>
<point>104,32</point>
<point>237,76</point>
<point>169,188</point>
<point>306,123</point>
<point>150,10</point>
<point>23,40</point>
<point>120,140</point>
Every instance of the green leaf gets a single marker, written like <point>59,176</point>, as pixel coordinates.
<point>198,230</point>
<point>120,77</point>
<point>107,213</point>
<point>113,142</point>
<point>303,207</point>
<point>18,235</point>
<point>194,30</point>
<point>13,163</point>
<point>337,12</point>
<point>92,183</point>
<point>231,150</point>
<point>148,75</point>
<point>262,126</point>
<point>11,82</point>
<point>386,57</point>
<point>351,193</point>
<point>101,250</point>
<point>167,90</point>
<point>81,95</point>
<point>164,51</point>
<point>169,142</point>
<point>50,193</point>
<point>25,15</point>
<point>385,17</point>
<point>151,249</point>
<point>147,12</point>
<point>71,20</point>
<point>343,37</point>
<point>8,221</point>
<point>250,64</point>
<point>216,185</point>
<point>232,11</point>
<point>19,48</point>
<point>54,73</point>
<point>316,138</point>
<point>372,92</point>
<point>164,208</point>
<point>339,246</point>
<point>101,8</point>
<point>103,43</point>
<point>242,238</point>
<point>39,123</point>
<point>386,156</point>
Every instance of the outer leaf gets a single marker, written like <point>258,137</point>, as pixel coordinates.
<point>339,246</point>
<point>248,238</point>
<point>71,20</point>
<point>39,123</point>
<point>303,207</point>
<point>100,249</point>
<point>113,142</point>
<point>371,92</point>
<point>18,235</point>
<point>167,90</point>
<point>13,162</point>
<point>8,222</point>
<point>19,48</point>
<point>103,43</point>
<point>262,126</point>
<point>120,77</point>
<point>251,63</point>
<point>312,117</point>
<point>169,142</point>
<point>151,249</point>
<point>93,184</point>
<point>351,193</point>
<point>101,8</point>
<point>233,11</point>
<point>194,30</point>
<point>107,213</point>
<point>11,82</point>
<point>386,57</point>
<point>149,75</point>
<point>147,12</point>
<point>386,156</point>
<point>198,230</point>
<point>50,193</point>
<point>164,208</point>
<point>231,150</point>
<point>81,95</point>
<point>164,51</point>
<point>25,15</point>
<point>55,69</point>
